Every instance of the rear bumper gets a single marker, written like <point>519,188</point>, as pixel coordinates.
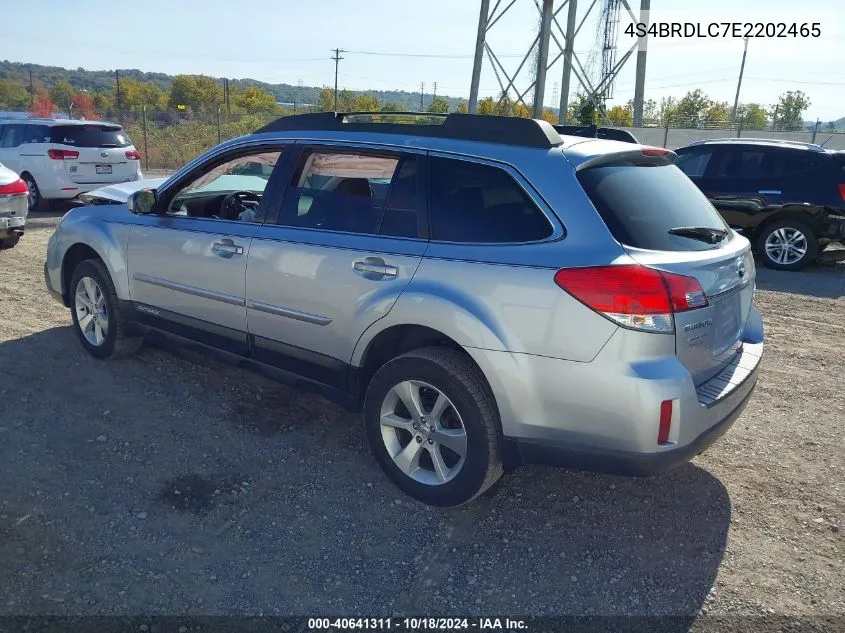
<point>63,188</point>
<point>10,224</point>
<point>624,463</point>
<point>604,415</point>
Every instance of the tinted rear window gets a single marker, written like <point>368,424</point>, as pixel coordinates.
<point>90,136</point>
<point>640,204</point>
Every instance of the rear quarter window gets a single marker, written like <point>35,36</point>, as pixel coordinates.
<point>639,204</point>
<point>472,202</point>
<point>90,136</point>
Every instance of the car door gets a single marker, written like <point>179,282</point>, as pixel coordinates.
<point>187,264</point>
<point>350,233</point>
<point>738,184</point>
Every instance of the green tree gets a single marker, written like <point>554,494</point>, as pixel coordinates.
<point>621,116</point>
<point>463,108</point>
<point>668,111</point>
<point>717,114</point>
<point>62,94</point>
<point>582,111</point>
<point>196,92</point>
<point>254,100</point>
<point>691,108</point>
<point>365,103</point>
<point>753,116</point>
<point>790,110</point>
<point>103,101</point>
<point>134,95</point>
<point>651,111</point>
<point>486,106</point>
<point>522,111</point>
<point>504,105</point>
<point>13,95</point>
<point>390,107</point>
<point>439,105</point>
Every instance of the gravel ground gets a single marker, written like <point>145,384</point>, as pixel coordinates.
<point>170,484</point>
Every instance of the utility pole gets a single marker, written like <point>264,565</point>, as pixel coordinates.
<point>639,81</point>
<point>479,52</point>
<point>543,57</point>
<point>117,96</point>
<point>297,94</point>
<point>226,96</point>
<point>775,117</point>
<point>739,82</point>
<point>336,59</point>
<point>568,51</point>
<point>435,90</point>
<point>31,91</point>
<point>422,99</point>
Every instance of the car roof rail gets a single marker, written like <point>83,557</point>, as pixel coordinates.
<point>594,131</point>
<point>466,127</point>
<point>751,139</point>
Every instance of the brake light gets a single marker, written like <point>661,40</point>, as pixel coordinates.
<point>649,150</point>
<point>133,154</point>
<point>14,188</point>
<point>632,295</point>
<point>842,191</point>
<point>665,422</point>
<point>62,154</point>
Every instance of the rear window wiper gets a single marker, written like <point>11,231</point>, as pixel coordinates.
<point>702,233</point>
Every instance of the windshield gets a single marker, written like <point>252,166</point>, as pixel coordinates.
<point>640,204</point>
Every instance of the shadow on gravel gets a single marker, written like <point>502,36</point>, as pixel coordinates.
<point>140,459</point>
<point>826,282</point>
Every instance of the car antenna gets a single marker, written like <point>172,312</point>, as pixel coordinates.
<point>828,138</point>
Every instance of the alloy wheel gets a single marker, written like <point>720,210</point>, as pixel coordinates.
<point>91,313</point>
<point>786,245</point>
<point>423,432</point>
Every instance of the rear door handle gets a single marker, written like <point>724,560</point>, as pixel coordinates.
<point>227,248</point>
<point>375,267</point>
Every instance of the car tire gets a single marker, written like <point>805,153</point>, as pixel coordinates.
<point>9,242</point>
<point>425,461</point>
<point>787,245</point>
<point>94,307</point>
<point>35,201</point>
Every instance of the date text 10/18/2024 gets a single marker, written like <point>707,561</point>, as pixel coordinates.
<point>416,624</point>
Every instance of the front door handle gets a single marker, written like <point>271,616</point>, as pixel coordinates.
<point>226,248</point>
<point>374,267</point>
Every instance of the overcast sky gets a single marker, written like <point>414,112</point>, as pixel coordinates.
<point>286,41</point>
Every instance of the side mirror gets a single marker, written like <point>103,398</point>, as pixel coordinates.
<point>142,201</point>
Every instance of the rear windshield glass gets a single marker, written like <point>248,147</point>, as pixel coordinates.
<point>90,136</point>
<point>639,204</point>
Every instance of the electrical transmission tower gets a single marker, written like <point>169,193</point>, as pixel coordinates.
<point>551,32</point>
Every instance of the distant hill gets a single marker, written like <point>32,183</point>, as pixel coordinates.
<point>100,80</point>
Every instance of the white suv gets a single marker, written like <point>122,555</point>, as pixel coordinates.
<point>60,159</point>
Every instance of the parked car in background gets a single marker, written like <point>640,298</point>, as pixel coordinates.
<point>13,207</point>
<point>59,159</point>
<point>485,290</point>
<point>788,198</point>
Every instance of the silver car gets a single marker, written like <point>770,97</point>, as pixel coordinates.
<point>486,291</point>
<point>13,207</point>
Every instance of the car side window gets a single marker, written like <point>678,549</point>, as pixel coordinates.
<point>12,135</point>
<point>472,202</point>
<point>790,163</point>
<point>346,190</point>
<point>694,163</point>
<point>739,163</point>
<point>227,190</point>
<point>36,134</point>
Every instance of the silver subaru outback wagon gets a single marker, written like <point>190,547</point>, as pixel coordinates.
<point>486,291</point>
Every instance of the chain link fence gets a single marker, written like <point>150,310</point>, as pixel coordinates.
<point>167,139</point>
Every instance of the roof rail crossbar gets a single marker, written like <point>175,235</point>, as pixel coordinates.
<point>753,139</point>
<point>466,127</point>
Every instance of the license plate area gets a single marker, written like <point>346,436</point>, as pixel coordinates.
<point>102,169</point>
<point>726,322</point>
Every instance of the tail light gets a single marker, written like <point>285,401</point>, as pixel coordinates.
<point>842,191</point>
<point>133,154</point>
<point>62,154</point>
<point>17,187</point>
<point>633,296</point>
<point>649,150</point>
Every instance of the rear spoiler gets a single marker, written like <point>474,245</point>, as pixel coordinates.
<point>643,155</point>
<point>593,131</point>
